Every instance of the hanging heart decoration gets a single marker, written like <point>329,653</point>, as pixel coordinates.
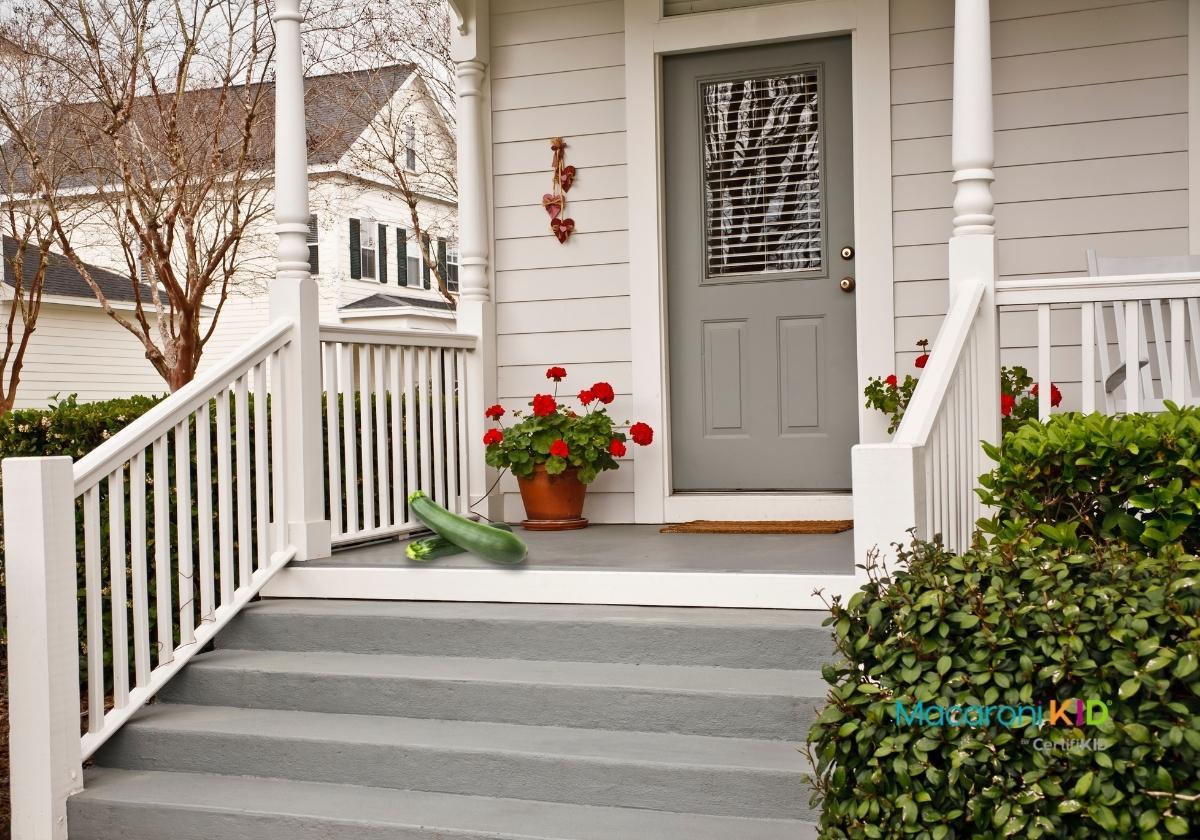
<point>555,201</point>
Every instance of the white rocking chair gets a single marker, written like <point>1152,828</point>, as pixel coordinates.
<point>1113,376</point>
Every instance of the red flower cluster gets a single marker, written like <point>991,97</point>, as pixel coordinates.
<point>603,392</point>
<point>495,412</point>
<point>544,404</point>
<point>586,396</point>
<point>616,448</point>
<point>891,381</point>
<point>557,374</point>
<point>559,448</point>
<point>641,433</point>
<point>1007,402</point>
<point>922,360</point>
<point>492,437</point>
<point>1055,394</point>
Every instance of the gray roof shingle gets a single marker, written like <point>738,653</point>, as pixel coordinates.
<point>63,280</point>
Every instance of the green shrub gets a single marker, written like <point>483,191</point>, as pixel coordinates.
<point>1021,627</point>
<point>1134,478</point>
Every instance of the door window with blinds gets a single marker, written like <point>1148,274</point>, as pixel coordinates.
<point>762,172</point>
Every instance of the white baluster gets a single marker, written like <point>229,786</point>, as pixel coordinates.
<point>437,414</point>
<point>412,477</point>
<point>279,466</point>
<point>204,518</point>
<point>424,401</point>
<point>1087,342</point>
<point>225,498</point>
<point>1179,369</point>
<point>94,584</point>
<point>378,361</point>
<point>116,583</point>
<point>164,616</point>
<point>242,442</point>
<point>262,483</point>
<point>1043,372</point>
<point>183,532</point>
<point>1133,324</point>
<point>362,354</point>
<point>333,433</point>
<point>399,509</point>
<point>350,433</point>
<point>141,587</point>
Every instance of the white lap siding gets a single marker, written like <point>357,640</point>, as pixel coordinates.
<point>1091,152</point>
<point>558,70</point>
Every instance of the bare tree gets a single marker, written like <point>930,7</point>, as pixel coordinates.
<point>166,124</point>
<point>26,234</point>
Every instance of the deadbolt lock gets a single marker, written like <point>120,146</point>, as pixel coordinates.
<point>847,284</point>
<point>847,252</point>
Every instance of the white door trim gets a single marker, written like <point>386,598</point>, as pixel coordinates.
<point>649,36</point>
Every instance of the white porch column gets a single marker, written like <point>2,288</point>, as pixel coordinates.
<point>476,310</point>
<point>294,296</point>
<point>973,243</point>
<point>43,644</point>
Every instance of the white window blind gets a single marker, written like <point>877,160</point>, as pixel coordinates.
<point>368,248</point>
<point>762,174</point>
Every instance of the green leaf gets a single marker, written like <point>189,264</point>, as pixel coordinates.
<point>1084,784</point>
<point>943,664</point>
<point>1129,688</point>
<point>1176,825</point>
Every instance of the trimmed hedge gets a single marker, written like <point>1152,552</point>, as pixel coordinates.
<point>67,427</point>
<point>1020,627</point>
<point>1094,478</point>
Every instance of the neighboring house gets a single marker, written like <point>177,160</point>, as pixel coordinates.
<point>76,348</point>
<point>362,249</point>
<point>773,201</point>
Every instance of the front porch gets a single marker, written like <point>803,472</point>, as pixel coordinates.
<point>602,564</point>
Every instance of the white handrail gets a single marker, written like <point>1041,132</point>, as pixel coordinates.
<point>943,364</point>
<point>395,338</point>
<point>93,467</point>
<point>1116,287</point>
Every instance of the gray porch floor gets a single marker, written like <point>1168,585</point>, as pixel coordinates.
<point>640,548</point>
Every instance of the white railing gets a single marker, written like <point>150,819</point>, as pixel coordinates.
<point>926,476</point>
<point>1151,321</point>
<point>395,421</point>
<point>164,569</point>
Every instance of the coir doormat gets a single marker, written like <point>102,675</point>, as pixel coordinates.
<point>793,526</point>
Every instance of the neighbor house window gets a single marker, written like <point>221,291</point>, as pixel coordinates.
<point>368,250</point>
<point>761,140</point>
<point>314,257</point>
<point>410,146</point>
<point>452,267</point>
<point>414,266</point>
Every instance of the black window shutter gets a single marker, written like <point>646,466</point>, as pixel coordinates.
<point>401,257</point>
<point>382,258</point>
<point>314,256</point>
<point>355,251</point>
<point>441,258</point>
<point>424,262</point>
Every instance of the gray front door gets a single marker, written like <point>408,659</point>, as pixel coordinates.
<point>759,189</point>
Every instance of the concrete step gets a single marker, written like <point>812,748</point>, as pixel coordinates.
<point>727,638</point>
<point>660,771</point>
<point>142,805</point>
<point>723,702</point>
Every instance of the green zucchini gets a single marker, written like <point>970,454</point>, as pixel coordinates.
<point>476,537</point>
<point>427,549</point>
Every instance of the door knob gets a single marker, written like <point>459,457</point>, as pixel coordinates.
<point>847,252</point>
<point>847,284</point>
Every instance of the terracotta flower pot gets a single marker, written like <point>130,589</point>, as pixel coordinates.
<point>553,502</point>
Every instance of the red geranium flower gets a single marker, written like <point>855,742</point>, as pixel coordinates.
<point>495,412</point>
<point>557,374</point>
<point>544,404</point>
<point>641,433</point>
<point>1055,394</point>
<point>1007,401</point>
<point>891,380</point>
<point>603,392</point>
<point>586,396</point>
<point>616,448</point>
<point>559,448</point>
<point>922,360</point>
<point>492,436</point>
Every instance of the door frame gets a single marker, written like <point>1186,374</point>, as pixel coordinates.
<point>648,37</point>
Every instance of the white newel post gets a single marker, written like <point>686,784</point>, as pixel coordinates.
<point>294,296</point>
<point>973,243</point>
<point>43,644</point>
<point>476,312</point>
